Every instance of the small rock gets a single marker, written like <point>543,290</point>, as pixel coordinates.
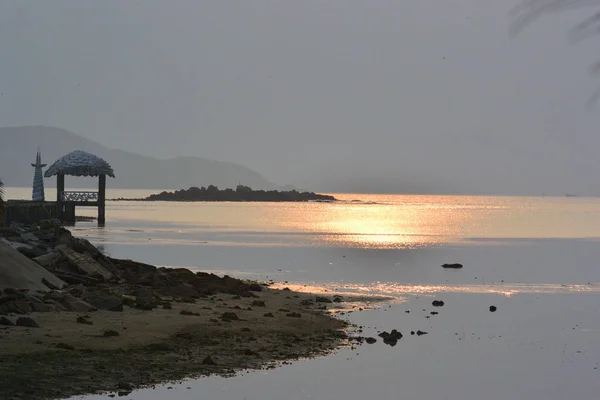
<point>434,313</point>
<point>255,287</point>
<point>229,316</point>
<point>453,266</point>
<point>28,322</point>
<point>249,352</point>
<point>493,308</point>
<point>84,320</point>
<point>394,335</point>
<point>258,303</point>
<point>124,386</point>
<point>268,315</point>
<point>320,299</point>
<point>162,346</point>
<point>371,340</point>
<point>6,322</point>
<point>187,312</point>
<point>338,299</point>
<point>110,333</point>
<point>419,333</point>
<point>437,303</point>
<point>145,303</point>
<point>209,361</point>
<point>293,315</point>
<point>64,346</point>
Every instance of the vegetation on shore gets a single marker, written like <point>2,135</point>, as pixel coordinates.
<point>241,193</point>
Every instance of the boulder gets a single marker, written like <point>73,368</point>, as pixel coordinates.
<point>84,262</point>
<point>184,291</point>
<point>74,304</point>
<point>104,301</point>
<point>32,251</point>
<point>5,322</point>
<point>19,272</point>
<point>181,274</point>
<point>16,307</point>
<point>49,259</point>
<point>43,307</point>
<point>27,322</point>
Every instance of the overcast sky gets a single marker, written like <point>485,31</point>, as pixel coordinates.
<point>339,94</point>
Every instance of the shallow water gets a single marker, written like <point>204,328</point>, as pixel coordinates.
<point>536,259</point>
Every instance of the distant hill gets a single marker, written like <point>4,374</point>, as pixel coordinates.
<point>18,147</point>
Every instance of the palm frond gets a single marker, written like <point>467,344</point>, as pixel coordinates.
<point>1,203</point>
<point>530,10</point>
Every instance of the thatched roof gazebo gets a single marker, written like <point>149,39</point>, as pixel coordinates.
<point>81,163</point>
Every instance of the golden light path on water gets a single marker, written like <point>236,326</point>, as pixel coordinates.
<point>355,221</point>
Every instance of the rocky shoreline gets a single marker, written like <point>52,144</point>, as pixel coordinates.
<point>74,321</point>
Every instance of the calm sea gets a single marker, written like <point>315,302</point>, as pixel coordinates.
<point>536,258</point>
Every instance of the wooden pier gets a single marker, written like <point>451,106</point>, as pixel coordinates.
<point>32,212</point>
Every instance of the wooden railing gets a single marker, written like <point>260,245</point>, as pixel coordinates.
<point>79,196</point>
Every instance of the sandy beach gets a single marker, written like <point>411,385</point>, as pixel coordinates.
<point>64,357</point>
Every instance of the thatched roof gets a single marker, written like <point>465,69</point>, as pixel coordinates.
<point>80,163</point>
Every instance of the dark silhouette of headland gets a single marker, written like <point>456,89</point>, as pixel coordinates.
<point>241,193</point>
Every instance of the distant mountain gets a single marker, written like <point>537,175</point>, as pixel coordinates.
<point>18,148</point>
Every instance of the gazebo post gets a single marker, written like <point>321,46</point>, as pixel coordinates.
<point>101,199</point>
<point>60,187</point>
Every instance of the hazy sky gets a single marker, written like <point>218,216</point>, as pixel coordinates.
<point>341,94</point>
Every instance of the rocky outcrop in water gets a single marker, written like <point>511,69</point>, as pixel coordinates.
<point>242,193</point>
